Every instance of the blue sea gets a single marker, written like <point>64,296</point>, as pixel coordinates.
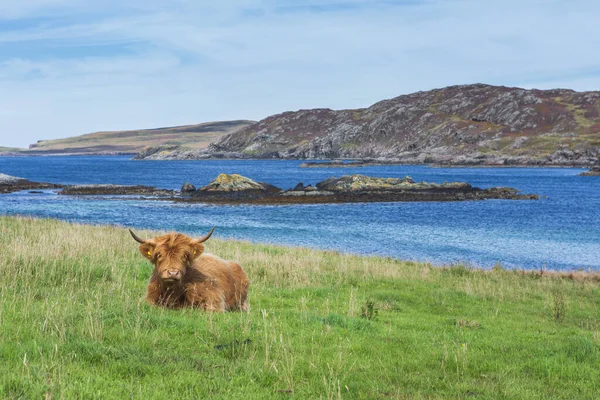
<point>560,231</point>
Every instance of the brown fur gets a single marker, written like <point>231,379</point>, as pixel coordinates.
<point>203,280</point>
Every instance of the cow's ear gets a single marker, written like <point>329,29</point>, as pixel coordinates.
<point>147,250</point>
<point>197,249</point>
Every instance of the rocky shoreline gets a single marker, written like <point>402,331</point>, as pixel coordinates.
<point>10,184</point>
<point>594,171</point>
<point>561,158</point>
<point>237,189</point>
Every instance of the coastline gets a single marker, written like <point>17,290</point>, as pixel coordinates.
<point>315,160</point>
<point>575,274</point>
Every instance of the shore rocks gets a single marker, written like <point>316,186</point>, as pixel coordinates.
<point>114,190</point>
<point>155,152</point>
<point>7,179</point>
<point>367,162</point>
<point>174,152</point>
<point>594,171</point>
<point>10,184</point>
<point>188,188</point>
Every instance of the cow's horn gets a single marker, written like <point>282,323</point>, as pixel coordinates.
<point>137,238</point>
<point>205,237</point>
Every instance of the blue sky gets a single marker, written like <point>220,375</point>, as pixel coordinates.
<point>69,67</point>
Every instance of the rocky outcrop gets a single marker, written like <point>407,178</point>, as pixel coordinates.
<point>233,188</point>
<point>188,188</point>
<point>226,183</point>
<point>173,152</point>
<point>458,125</point>
<point>10,184</point>
<point>155,152</point>
<point>236,189</point>
<point>114,190</point>
<point>594,171</point>
<point>356,183</point>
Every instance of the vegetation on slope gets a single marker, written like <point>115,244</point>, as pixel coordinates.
<point>9,149</point>
<point>323,325</point>
<point>467,124</point>
<point>192,136</point>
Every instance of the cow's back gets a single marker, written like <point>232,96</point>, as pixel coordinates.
<point>227,276</point>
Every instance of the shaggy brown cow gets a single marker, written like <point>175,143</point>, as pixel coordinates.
<point>185,276</point>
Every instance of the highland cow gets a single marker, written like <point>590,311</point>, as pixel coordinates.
<point>185,276</point>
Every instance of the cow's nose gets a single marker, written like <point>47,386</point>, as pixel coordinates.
<point>174,273</point>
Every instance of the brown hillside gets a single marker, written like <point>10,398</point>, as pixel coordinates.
<point>469,124</point>
<point>193,136</point>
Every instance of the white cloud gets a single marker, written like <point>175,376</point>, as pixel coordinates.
<point>198,61</point>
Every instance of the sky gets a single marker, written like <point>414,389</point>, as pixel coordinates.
<point>69,67</point>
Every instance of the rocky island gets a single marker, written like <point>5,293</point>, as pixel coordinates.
<point>237,189</point>
<point>11,184</point>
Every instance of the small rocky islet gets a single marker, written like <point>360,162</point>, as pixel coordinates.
<point>237,189</point>
<point>594,171</point>
<point>232,189</point>
<point>9,184</point>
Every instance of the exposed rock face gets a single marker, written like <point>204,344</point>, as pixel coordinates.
<point>466,125</point>
<point>188,188</point>
<point>155,152</point>
<point>8,179</point>
<point>353,183</point>
<point>9,184</point>
<point>173,152</point>
<point>232,183</point>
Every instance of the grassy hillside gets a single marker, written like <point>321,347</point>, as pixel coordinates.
<point>193,136</point>
<point>323,325</point>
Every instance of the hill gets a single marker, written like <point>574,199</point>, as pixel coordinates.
<point>468,124</point>
<point>194,136</point>
<point>321,325</point>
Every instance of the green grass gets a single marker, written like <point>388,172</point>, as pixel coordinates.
<point>74,324</point>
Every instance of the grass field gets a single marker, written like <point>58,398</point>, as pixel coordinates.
<point>74,324</point>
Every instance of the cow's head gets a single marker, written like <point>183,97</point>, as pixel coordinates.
<point>171,254</point>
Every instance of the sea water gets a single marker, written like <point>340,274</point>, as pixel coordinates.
<point>559,231</point>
